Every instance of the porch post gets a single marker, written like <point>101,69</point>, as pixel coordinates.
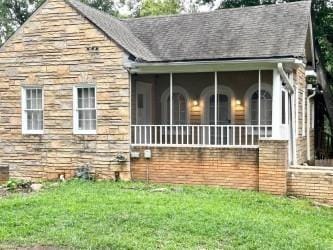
<point>276,105</point>
<point>215,92</point>
<point>215,122</point>
<point>259,103</point>
<point>171,97</point>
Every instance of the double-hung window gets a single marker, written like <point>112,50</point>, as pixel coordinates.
<point>85,118</point>
<point>32,110</point>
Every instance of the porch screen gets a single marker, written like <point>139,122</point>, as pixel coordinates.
<point>265,108</point>
<point>179,109</point>
<point>222,109</point>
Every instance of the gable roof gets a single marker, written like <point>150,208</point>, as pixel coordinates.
<point>114,29</point>
<point>267,31</point>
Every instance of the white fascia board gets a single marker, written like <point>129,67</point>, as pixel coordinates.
<point>206,66</point>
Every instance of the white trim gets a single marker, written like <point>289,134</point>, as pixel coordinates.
<point>207,92</point>
<point>25,130</point>
<point>215,99</point>
<point>208,66</point>
<point>286,107</point>
<point>303,112</point>
<point>276,105</point>
<point>239,136</point>
<point>259,98</point>
<point>296,111</point>
<point>247,98</point>
<point>312,115</point>
<point>76,130</point>
<point>164,102</point>
<point>171,98</point>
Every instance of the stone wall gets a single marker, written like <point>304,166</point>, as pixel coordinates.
<point>4,174</point>
<point>273,164</point>
<point>51,51</point>
<point>311,182</point>
<point>233,168</point>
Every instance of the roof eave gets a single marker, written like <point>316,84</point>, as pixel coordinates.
<point>210,65</point>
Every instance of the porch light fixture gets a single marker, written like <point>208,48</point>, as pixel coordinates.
<point>195,103</point>
<point>238,102</point>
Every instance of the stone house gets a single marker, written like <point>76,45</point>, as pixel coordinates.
<point>79,87</point>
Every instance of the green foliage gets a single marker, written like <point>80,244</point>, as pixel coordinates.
<point>158,7</point>
<point>85,173</point>
<point>109,215</point>
<point>323,30</point>
<point>107,6</point>
<point>13,13</point>
<point>14,184</point>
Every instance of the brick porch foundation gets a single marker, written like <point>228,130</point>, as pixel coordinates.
<point>264,169</point>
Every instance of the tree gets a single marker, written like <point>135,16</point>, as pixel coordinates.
<point>13,13</point>
<point>158,7</point>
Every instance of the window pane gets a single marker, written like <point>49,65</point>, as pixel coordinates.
<point>283,107</point>
<point>29,120</point>
<point>265,108</point>
<point>28,104</point>
<point>87,119</point>
<point>34,120</point>
<point>179,110</point>
<point>92,98</point>
<point>85,98</point>
<point>34,106</point>
<point>140,101</point>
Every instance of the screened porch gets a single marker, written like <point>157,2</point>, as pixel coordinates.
<point>214,109</point>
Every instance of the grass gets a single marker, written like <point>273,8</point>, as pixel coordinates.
<point>106,215</point>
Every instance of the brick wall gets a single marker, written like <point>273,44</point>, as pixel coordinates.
<point>311,182</point>
<point>50,51</point>
<point>234,168</point>
<point>273,163</point>
<point>301,144</point>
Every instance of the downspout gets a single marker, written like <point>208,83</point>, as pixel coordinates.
<point>291,91</point>
<point>308,125</point>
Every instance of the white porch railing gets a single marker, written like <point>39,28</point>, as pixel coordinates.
<point>241,136</point>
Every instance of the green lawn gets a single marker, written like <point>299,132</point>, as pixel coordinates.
<point>108,215</point>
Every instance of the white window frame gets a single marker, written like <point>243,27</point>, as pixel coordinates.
<point>24,110</point>
<point>248,102</point>
<point>205,97</point>
<point>165,106</point>
<point>76,129</point>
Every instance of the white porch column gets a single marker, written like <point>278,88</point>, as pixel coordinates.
<point>215,92</point>
<point>259,102</point>
<point>171,98</point>
<point>276,105</point>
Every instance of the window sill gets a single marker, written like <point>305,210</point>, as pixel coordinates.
<point>33,132</point>
<point>85,132</point>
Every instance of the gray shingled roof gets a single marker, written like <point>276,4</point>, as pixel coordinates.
<point>270,31</point>
<point>114,29</point>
